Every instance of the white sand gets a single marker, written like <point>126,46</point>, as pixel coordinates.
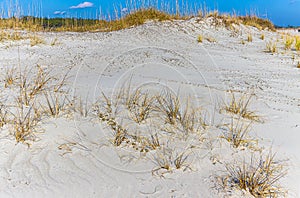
<point>154,55</point>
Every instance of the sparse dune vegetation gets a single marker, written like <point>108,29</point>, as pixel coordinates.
<point>249,38</point>
<point>240,106</point>
<point>288,42</point>
<point>258,176</point>
<point>71,116</point>
<point>36,40</point>
<point>200,39</point>
<point>297,43</point>
<point>271,47</point>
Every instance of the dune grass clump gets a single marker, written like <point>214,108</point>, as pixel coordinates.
<point>24,122</point>
<point>36,40</point>
<point>288,42</point>
<point>140,104</point>
<point>210,39</point>
<point>200,39</point>
<point>3,115</point>
<point>271,47</point>
<point>297,43</point>
<point>191,120</point>
<point>83,107</point>
<point>30,85</point>
<point>237,134</point>
<point>259,177</point>
<point>168,160</point>
<point>9,77</point>
<point>186,118</point>
<point>169,106</point>
<point>249,38</point>
<point>262,37</point>
<point>240,107</point>
<point>56,103</point>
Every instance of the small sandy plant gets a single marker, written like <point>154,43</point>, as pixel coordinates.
<point>288,42</point>
<point>24,122</point>
<point>249,38</point>
<point>40,81</point>
<point>297,43</point>
<point>83,107</point>
<point>55,103</point>
<point>262,37</point>
<point>140,104</point>
<point>240,106</point>
<point>33,83</point>
<point>237,133</point>
<point>191,119</point>
<point>163,162</point>
<point>168,160</point>
<point>200,39</point>
<point>271,47</point>
<point>180,160</point>
<point>260,177</point>
<point>10,76</point>
<point>3,115</point>
<point>169,106</point>
<point>154,142</point>
<point>36,40</point>
<point>298,64</point>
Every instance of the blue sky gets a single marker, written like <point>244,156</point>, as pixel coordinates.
<point>281,12</point>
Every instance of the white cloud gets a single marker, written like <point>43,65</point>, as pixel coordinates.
<point>83,5</point>
<point>59,12</point>
<point>124,10</point>
<point>293,1</point>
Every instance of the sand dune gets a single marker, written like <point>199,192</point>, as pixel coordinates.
<point>73,155</point>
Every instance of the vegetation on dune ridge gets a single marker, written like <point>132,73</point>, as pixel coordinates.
<point>249,20</point>
<point>134,18</point>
